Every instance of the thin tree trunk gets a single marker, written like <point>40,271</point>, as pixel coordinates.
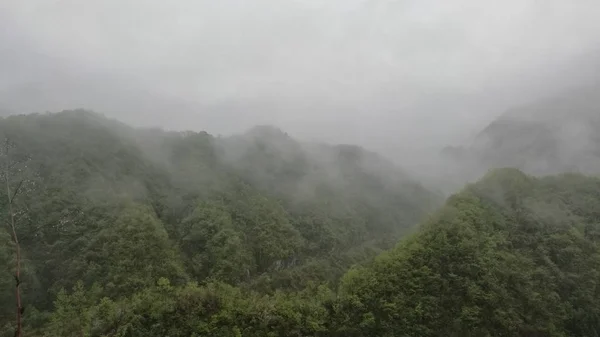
<point>19,331</point>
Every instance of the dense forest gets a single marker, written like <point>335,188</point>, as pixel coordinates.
<point>113,209</point>
<point>139,232</point>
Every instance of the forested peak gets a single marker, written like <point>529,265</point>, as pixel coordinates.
<point>549,136</point>
<point>83,116</point>
<point>553,114</point>
<point>350,153</point>
<point>576,106</point>
<point>505,187</point>
<point>66,123</point>
<point>265,139</point>
<point>503,176</point>
<point>268,132</point>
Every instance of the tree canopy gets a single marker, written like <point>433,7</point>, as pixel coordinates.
<point>133,232</point>
<point>118,209</point>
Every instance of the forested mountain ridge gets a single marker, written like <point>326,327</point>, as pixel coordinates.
<point>511,255</point>
<point>554,135</point>
<point>115,209</point>
<point>129,232</point>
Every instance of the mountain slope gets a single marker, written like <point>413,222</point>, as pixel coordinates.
<point>118,208</point>
<point>511,255</point>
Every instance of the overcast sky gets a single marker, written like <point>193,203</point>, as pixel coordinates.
<point>382,73</point>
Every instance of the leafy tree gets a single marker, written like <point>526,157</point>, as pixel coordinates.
<point>129,254</point>
<point>494,261</point>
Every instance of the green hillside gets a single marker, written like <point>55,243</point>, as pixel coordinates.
<point>113,209</point>
<point>128,232</point>
<point>511,255</point>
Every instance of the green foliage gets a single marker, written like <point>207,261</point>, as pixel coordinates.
<point>112,210</point>
<point>505,257</point>
<point>215,247</point>
<point>129,254</point>
<point>72,314</point>
<point>184,234</point>
<point>215,309</point>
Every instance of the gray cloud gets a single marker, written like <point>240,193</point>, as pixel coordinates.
<point>387,74</point>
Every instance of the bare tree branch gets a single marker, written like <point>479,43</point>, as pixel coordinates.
<point>16,190</point>
<point>11,195</point>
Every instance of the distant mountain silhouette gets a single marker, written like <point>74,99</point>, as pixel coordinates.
<point>554,135</point>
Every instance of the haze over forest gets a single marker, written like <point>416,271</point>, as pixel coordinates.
<point>395,76</point>
<point>299,168</point>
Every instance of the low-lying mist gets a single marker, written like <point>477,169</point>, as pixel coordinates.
<point>410,80</point>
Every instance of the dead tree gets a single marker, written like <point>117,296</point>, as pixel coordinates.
<point>10,165</point>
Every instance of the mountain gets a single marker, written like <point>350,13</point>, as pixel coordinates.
<point>112,209</point>
<point>511,255</point>
<point>558,134</point>
<point>138,232</point>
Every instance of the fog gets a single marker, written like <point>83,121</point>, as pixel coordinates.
<point>395,76</point>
